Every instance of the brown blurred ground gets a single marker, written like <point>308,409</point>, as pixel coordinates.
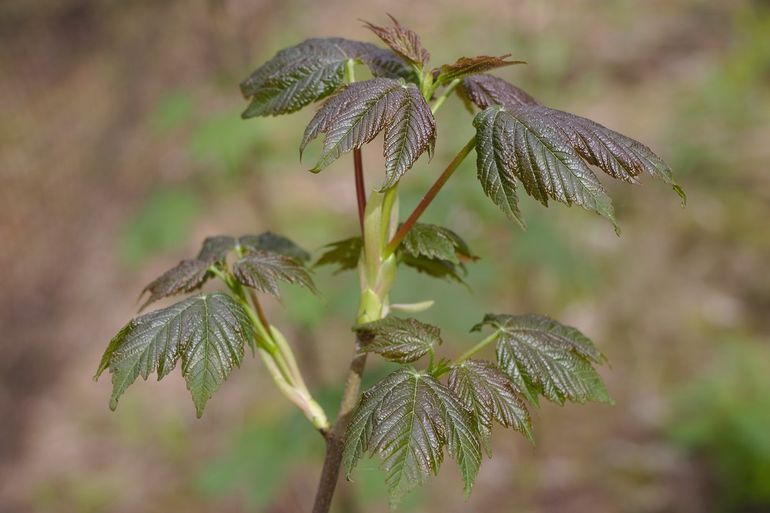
<point>119,116</point>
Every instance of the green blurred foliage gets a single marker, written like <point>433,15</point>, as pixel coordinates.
<point>259,460</point>
<point>723,418</point>
<point>172,112</point>
<point>163,222</point>
<point>222,143</point>
<point>710,122</point>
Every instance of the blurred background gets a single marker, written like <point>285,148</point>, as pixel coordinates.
<point>121,148</point>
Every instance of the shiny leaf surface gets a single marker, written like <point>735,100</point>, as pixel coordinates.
<point>542,356</point>
<point>264,270</point>
<point>399,340</point>
<point>407,419</point>
<point>207,332</point>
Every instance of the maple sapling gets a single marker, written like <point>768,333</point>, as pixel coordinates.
<point>411,416</point>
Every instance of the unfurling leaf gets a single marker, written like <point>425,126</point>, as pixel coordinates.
<point>490,395</point>
<point>262,270</point>
<point>356,115</point>
<point>525,144</point>
<point>345,254</point>
<point>403,41</point>
<point>207,332</point>
<point>542,356</point>
<point>407,419</point>
<point>300,75</point>
<point>465,66</point>
<point>436,242</point>
<point>269,241</point>
<point>187,276</point>
<point>399,340</point>
<point>488,90</point>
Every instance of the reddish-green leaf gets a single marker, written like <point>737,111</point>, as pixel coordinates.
<point>356,115</point>
<point>488,90</point>
<point>187,276</point>
<point>545,357</point>
<point>436,242</point>
<point>616,154</point>
<point>269,241</point>
<point>353,117</point>
<point>407,419</point>
<point>435,267</point>
<point>207,332</point>
<point>466,66</point>
<point>300,75</point>
<point>403,41</point>
<point>523,144</point>
<point>490,395</point>
<point>408,134</point>
<point>399,340</point>
<point>385,63</point>
<point>215,249</point>
<point>345,254</point>
<point>263,270</point>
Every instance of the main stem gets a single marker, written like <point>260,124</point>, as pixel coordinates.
<point>377,276</point>
<point>377,271</point>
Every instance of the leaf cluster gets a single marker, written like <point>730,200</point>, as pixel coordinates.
<point>207,332</point>
<point>520,143</point>
<point>413,416</point>
<point>427,248</point>
<point>410,417</point>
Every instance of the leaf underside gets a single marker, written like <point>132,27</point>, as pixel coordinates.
<point>207,332</point>
<point>407,419</point>
<point>345,254</point>
<point>436,251</point>
<point>399,340</point>
<point>263,270</point>
<point>435,267</point>
<point>542,356</point>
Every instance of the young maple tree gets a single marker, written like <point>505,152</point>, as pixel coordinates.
<point>410,417</point>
